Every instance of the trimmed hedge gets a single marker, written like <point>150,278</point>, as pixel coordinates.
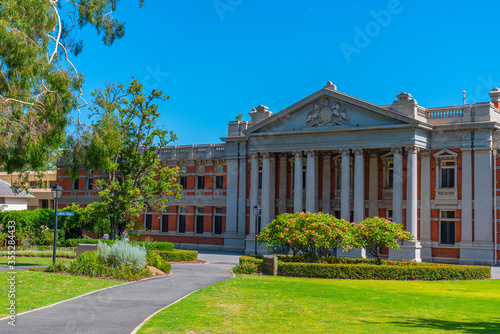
<point>149,245</point>
<point>29,253</point>
<point>178,255</point>
<point>404,271</point>
<point>155,260</point>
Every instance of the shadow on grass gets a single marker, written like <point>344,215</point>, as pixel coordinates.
<point>492,326</point>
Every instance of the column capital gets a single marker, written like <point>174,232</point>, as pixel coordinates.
<point>272,156</point>
<point>425,153</point>
<point>265,155</point>
<point>254,156</point>
<point>466,150</point>
<point>345,151</point>
<point>358,151</point>
<point>297,154</point>
<point>283,156</point>
<point>327,155</point>
<point>310,154</point>
<point>396,150</point>
<point>412,149</point>
<point>373,154</point>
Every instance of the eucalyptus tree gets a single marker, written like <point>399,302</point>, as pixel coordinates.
<point>40,88</point>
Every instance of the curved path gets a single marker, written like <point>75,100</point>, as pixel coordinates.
<point>120,309</point>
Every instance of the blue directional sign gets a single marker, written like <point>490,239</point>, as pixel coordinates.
<point>65,213</point>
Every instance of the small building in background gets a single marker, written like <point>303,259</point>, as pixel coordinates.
<point>42,197</point>
<point>11,200</point>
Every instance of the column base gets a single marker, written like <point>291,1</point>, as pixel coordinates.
<point>353,253</point>
<point>426,251</point>
<point>476,253</point>
<point>409,251</point>
<point>234,242</point>
<point>250,246</point>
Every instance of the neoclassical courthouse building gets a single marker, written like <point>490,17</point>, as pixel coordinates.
<point>434,170</point>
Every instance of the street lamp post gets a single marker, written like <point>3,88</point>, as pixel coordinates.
<point>256,213</point>
<point>56,194</point>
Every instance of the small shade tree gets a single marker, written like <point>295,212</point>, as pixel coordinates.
<point>375,233</point>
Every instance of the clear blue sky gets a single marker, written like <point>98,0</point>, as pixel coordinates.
<point>217,59</point>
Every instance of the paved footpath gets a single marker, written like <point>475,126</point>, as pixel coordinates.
<point>122,308</point>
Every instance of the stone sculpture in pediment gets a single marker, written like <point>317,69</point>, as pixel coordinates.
<point>327,113</point>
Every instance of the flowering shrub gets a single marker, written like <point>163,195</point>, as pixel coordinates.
<point>375,233</point>
<point>46,236</point>
<point>316,235</point>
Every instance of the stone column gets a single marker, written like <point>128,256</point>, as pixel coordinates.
<point>412,195</point>
<point>254,188</point>
<point>272,183</point>
<point>310,182</point>
<point>232,196</point>
<point>298,183</point>
<point>327,181</point>
<point>373,185</point>
<point>282,183</point>
<point>397,187</point>
<point>254,200</point>
<point>410,250</point>
<point>359,186</point>
<point>242,194</point>
<point>425,206</point>
<point>466,252</point>
<point>483,206</point>
<point>345,190</point>
<point>316,183</point>
<point>266,191</point>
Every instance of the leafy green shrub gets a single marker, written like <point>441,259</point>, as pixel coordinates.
<point>29,253</point>
<point>257,261</point>
<point>375,233</point>
<point>155,245</point>
<point>122,252</point>
<point>56,268</point>
<point>385,272</point>
<point>89,264</point>
<point>155,260</point>
<point>246,268</point>
<point>179,255</point>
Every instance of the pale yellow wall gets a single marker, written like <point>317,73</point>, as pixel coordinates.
<point>39,193</point>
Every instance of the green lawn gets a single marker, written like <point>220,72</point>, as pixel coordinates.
<point>266,304</point>
<point>31,261</point>
<point>37,289</point>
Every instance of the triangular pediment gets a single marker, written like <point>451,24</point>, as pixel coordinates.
<point>329,109</point>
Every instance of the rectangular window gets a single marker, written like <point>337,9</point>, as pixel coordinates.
<point>219,182</point>
<point>183,182</point>
<point>447,174</point>
<point>447,227</point>
<point>76,184</point>
<point>90,183</point>
<point>389,214</point>
<point>45,203</point>
<point>32,184</point>
<point>53,184</point>
<point>164,223</point>
<point>390,174</point>
<point>337,214</point>
<point>218,221</point>
<point>2,200</point>
<point>200,182</point>
<point>182,219</point>
<point>149,222</point>
<point>199,220</point>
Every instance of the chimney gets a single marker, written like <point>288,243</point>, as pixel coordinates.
<point>495,97</point>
